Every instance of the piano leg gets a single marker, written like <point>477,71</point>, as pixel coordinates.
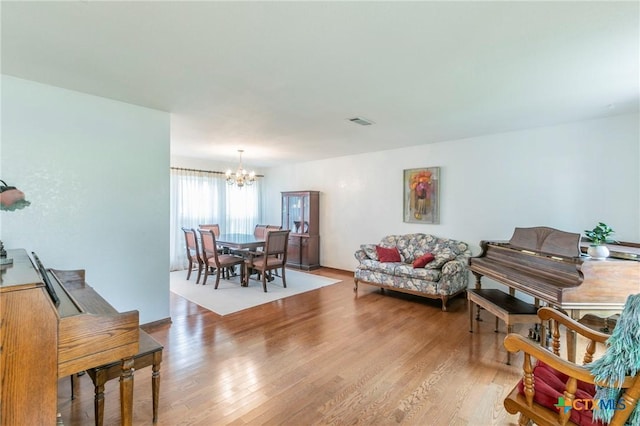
<point>571,336</point>
<point>98,399</point>
<point>126,392</point>
<point>75,385</point>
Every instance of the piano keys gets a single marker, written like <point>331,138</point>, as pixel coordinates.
<point>41,342</point>
<point>548,265</point>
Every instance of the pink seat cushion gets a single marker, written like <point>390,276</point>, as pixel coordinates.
<point>549,386</point>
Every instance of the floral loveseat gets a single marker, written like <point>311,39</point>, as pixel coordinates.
<point>443,277</point>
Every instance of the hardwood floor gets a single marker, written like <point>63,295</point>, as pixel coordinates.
<point>323,357</point>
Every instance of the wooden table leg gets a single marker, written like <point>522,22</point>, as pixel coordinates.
<point>155,382</point>
<point>126,392</point>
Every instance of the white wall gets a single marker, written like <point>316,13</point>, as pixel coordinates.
<point>567,177</point>
<point>96,173</point>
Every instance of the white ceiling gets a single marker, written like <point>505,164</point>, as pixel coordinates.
<point>280,79</point>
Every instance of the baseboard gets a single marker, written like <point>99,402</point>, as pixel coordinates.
<point>329,269</point>
<point>150,326</point>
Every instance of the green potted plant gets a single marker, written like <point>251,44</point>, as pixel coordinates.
<point>599,236</point>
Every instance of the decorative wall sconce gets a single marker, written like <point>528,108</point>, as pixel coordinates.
<point>11,198</point>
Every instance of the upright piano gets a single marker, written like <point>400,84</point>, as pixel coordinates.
<point>44,337</point>
<point>548,265</point>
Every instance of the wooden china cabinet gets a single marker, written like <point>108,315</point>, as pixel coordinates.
<point>300,215</point>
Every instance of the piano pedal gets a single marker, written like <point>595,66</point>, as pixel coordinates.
<point>534,333</point>
<point>547,341</point>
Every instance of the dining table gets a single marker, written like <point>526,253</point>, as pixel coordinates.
<point>241,244</point>
<point>239,241</point>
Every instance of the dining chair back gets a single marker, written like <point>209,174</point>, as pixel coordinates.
<point>214,227</point>
<point>273,257</point>
<point>273,228</point>
<point>215,262</point>
<point>260,231</point>
<point>193,253</point>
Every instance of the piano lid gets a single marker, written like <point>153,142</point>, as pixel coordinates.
<point>547,240</point>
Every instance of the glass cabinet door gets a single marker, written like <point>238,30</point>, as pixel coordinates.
<point>292,209</point>
<point>300,215</point>
<point>295,213</point>
<point>305,215</point>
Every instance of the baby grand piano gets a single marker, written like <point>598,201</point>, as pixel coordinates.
<point>548,265</point>
<point>45,337</point>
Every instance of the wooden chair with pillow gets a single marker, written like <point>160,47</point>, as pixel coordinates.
<point>273,257</point>
<point>554,391</point>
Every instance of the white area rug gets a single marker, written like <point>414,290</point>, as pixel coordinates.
<point>230,297</point>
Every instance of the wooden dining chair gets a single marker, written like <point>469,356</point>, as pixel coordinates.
<point>273,257</point>
<point>193,252</point>
<point>216,230</point>
<point>269,229</point>
<point>215,262</point>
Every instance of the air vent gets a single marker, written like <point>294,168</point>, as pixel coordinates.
<point>361,121</point>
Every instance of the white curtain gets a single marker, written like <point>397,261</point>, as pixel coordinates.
<point>202,197</point>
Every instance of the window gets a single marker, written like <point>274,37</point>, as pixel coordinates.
<point>202,197</point>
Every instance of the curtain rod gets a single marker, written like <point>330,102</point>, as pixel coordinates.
<point>203,171</point>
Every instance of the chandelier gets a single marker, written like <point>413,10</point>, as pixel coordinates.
<point>241,177</point>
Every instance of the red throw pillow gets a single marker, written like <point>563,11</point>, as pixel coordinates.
<point>423,260</point>
<point>388,254</point>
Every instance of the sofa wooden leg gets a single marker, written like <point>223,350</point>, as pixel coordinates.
<point>445,299</point>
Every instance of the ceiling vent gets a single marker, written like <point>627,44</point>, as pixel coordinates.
<point>361,121</point>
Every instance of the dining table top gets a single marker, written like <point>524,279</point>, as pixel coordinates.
<point>239,241</point>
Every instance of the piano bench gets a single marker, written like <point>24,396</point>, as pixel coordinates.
<point>504,307</point>
<point>150,353</point>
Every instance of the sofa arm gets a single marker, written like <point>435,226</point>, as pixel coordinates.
<point>455,277</point>
<point>454,267</point>
<point>360,255</point>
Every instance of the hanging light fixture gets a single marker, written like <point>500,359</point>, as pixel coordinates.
<point>240,177</point>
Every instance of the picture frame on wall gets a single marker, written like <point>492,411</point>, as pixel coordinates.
<point>422,195</point>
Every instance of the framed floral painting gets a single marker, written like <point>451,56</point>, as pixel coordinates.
<point>422,195</point>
